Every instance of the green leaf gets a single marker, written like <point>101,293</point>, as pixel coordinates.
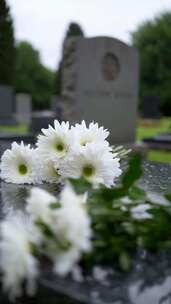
<point>168,196</point>
<point>55,205</point>
<point>124,261</point>
<point>133,172</point>
<point>129,227</point>
<point>62,244</point>
<point>34,249</point>
<point>136,193</point>
<point>110,194</point>
<point>44,228</point>
<point>80,185</point>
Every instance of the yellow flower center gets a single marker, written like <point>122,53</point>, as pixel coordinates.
<point>22,168</point>
<point>60,147</point>
<point>88,171</point>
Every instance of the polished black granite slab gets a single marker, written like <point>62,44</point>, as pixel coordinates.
<point>148,282</point>
<point>160,141</point>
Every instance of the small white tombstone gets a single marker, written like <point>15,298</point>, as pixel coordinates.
<point>23,108</point>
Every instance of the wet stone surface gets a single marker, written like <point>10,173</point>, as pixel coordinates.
<point>148,282</point>
<point>157,177</point>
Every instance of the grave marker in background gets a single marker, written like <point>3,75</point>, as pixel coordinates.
<point>53,102</point>
<point>23,108</point>
<point>151,107</point>
<point>100,83</point>
<point>41,119</point>
<point>56,107</point>
<point>7,105</point>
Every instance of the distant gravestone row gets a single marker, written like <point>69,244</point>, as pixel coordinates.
<point>6,106</point>
<point>14,109</point>
<point>100,83</point>
<point>17,109</point>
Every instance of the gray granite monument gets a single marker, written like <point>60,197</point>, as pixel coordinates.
<point>100,83</point>
<point>53,102</point>
<point>56,107</point>
<point>23,108</point>
<point>7,105</point>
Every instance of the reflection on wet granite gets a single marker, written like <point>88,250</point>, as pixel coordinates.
<point>148,282</point>
<point>157,177</point>
<point>13,197</point>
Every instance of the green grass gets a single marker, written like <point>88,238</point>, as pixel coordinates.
<point>160,156</point>
<point>148,131</point>
<point>21,129</point>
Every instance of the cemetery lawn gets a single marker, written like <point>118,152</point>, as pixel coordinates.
<point>21,129</point>
<point>159,156</point>
<point>148,131</point>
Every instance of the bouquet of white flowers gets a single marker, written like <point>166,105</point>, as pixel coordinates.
<point>63,152</point>
<point>92,221</point>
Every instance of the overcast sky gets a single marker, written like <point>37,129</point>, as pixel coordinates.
<point>44,22</point>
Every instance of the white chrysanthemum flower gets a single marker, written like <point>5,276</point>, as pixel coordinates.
<point>17,263</point>
<point>19,165</point>
<point>157,198</point>
<point>65,262</point>
<point>55,142</point>
<point>49,171</point>
<point>69,222</point>
<point>68,197</point>
<point>84,136</point>
<point>140,212</point>
<point>94,164</point>
<point>74,221</point>
<point>73,227</point>
<point>39,202</point>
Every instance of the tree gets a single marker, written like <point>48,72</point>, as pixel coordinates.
<point>153,39</point>
<point>7,45</point>
<point>74,30</point>
<point>32,77</point>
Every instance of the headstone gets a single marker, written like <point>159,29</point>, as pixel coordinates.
<point>53,102</point>
<point>41,120</point>
<point>151,107</point>
<point>56,107</point>
<point>100,83</point>
<point>23,108</point>
<point>7,105</point>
